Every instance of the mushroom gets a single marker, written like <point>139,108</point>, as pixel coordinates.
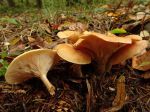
<point>128,51</point>
<point>141,62</point>
<point>34,63</point>
<point>71,36</point>
<point>68,53</point>
<point>134,37</point>
<point>101,47</point>
<point>104,49</point>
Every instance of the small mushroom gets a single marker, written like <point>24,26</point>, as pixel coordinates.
<point>128,51</point>
<point>71,36</point>
<point>68,53</point>
<point>141,62</point>
<point>34,63</point>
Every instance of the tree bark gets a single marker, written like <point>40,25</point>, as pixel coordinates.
<point>89,1</point>
<point>72,2</point>
<point>11,3</point>
<point>27,3</point>
<point>39,4</point>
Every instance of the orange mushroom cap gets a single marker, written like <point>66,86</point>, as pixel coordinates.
<point>68,53</point>
<point>101,46</point>
<point>128,51</point>
<point>72,36</point>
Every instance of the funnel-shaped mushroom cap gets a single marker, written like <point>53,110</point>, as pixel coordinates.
<point>34,63</point>
<point>72,36</point>
<point>101,46</point>
<point>108,38</point>
<point>141,62</point>
<point>134,37</point>
<point>128,51</point>
<point>68,53</point>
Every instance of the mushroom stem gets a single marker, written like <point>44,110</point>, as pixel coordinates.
<point>48,85</point>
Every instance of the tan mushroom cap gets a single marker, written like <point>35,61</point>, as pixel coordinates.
<point>34,63</point>
<point>141,62</point>
<point>128,51</point>
<point>101,46</point>
<point>104,37</point>
<point>68,53</point>
<point>72,36</point>
<point>134,37</point>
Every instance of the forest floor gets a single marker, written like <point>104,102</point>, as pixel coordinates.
<point>74,93</point>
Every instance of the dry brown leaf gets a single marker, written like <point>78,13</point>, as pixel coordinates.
<point>141,62</point>
<point>19,47</point>
<point>14,41</point>
<point>140,15</point>
<point>45,27</point>
<point>120,97</point>
<point>78,26</point>
<point>31,39</point>
<point>48,39</point>
<point>144,33</point>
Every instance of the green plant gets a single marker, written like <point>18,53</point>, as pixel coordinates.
<point>3,63</point>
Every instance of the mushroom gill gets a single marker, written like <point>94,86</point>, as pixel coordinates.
<point>34,63</point>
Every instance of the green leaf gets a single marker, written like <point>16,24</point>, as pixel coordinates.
<point>13,21</point>
<point>118,31</point>
<point>3,54</point>
<point>10,20</point>
<point>2,71</point>
<point>100,9</point>
<point>1,60</point>
<point>4,67</point>
<point>144,63</point>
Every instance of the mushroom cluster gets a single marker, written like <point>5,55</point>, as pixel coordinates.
<point>80,48</point>
<point>105,50</point>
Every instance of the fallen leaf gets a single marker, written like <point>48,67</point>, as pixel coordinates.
<point>31,39</point>
<point>118,31</point>
<point>141,62</point>
<point>120,97</point>
<point>48,39</point>
<point>45,27</point>
<point>78,26</point>
<point>10,20</point>
<point>14,41</point>
<point>140,15</point>
<point>144,33</point>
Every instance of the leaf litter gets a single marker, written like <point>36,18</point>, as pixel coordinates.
<point>87,91</point>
